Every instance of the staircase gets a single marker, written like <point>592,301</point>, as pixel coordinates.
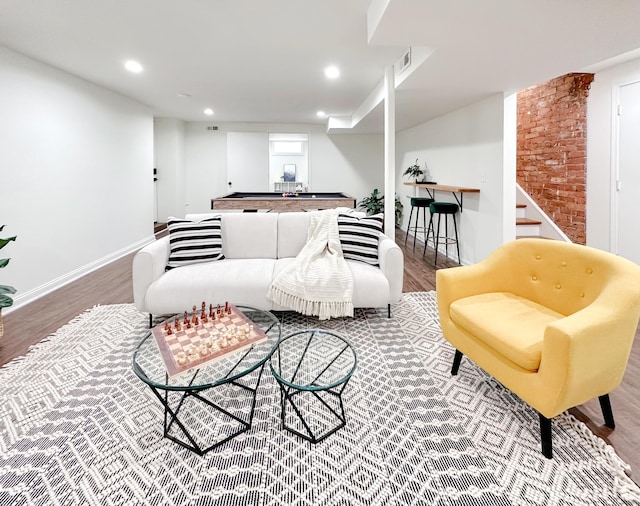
<point>531,221</point>
<point>526,227</point>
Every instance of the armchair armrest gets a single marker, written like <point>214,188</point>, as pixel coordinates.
<point>148,265</point>
<point>585,354</point>
<point>391,262</point>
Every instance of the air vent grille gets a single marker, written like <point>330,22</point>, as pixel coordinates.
<point>211,127</point>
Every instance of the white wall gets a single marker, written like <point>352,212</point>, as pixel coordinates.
<point>349,163</point>
<point>600,122</point>
<point>75,172</point>
<point>466,148</point>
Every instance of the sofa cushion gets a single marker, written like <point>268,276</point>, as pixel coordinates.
<point>511,325</point>
<point>292,233</point>
<point>243,281</point>
<point>359,237</point>
<point>250,235</point>
<point>193,242</point>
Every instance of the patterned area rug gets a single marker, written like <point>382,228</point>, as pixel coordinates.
<point>78,427</point>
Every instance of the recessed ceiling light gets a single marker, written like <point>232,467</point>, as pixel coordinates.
<point>321,114</point>
<point>332,72</point>
<point>133,66</point>
<point>184,95</point>
<point>208,112</point>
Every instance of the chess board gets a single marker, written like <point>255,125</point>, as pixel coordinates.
<point>184,348</point>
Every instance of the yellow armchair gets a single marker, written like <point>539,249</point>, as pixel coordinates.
<point>552,321</point>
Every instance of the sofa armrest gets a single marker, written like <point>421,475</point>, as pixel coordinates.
<point>148,265</point>
<point>391,262</point>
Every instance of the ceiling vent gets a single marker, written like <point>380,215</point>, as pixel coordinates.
<point>210,127</point>
<point>405,61</point>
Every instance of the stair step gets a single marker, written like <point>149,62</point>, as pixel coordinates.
<point>527,221</point>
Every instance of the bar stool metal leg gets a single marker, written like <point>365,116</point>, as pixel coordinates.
<point>408,226</point>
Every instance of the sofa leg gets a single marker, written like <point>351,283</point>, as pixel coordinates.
<point>388,310</point>
<point>457,358</point>
<point>545,436</point>
<point>605,405</point>
<point>150,320</point>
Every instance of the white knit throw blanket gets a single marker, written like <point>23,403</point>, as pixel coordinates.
<point>318,281</point>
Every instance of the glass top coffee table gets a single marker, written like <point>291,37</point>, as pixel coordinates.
<point>313,367</point>
<point>208,405</point>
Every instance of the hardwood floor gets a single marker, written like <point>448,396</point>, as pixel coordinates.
<point>112,284</point>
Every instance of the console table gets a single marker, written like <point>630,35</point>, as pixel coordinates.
<point>455,190</point>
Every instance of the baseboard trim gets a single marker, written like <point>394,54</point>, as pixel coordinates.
<point>46,288</point>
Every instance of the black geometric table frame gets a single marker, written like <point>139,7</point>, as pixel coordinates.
<point>290,392</point>
<point>171,414</point>
<point>287,397</point>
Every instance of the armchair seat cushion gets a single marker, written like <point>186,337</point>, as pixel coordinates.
<point>511,325</point>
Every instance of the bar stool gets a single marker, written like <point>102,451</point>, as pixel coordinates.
<point>446,209</point>
<point>419,203</point>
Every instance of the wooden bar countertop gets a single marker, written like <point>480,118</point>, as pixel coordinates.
<point>443,187</point>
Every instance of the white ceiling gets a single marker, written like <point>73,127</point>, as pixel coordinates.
<point>262,61</point>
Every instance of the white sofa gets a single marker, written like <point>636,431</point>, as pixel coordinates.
<point>256,246</point>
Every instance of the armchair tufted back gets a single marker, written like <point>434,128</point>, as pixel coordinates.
<point>562,276</point>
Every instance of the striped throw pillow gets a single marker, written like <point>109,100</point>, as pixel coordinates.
<point>194,242</point>
<point>359,237</point>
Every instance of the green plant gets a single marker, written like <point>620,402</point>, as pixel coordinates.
<point>414,170</point>
<point>5,291</point>
<point>374,204</point>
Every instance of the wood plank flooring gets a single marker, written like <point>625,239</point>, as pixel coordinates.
<point>112,284</point>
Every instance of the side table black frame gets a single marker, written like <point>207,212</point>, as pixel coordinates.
<point>171,415</point>
<point>289,390</point>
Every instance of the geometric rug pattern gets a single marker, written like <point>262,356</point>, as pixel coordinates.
<point>77,426</point>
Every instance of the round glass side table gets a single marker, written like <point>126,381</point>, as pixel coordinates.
<point>313,367</point>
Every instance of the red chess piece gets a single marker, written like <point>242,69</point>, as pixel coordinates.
<point>194,318</point>
<point>177,325</point>
<point>211,313</point>
<point>186,318</point>
<point>167,328</point>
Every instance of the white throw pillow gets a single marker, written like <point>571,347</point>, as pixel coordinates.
<point>193,242</point>
<point>359,237</point>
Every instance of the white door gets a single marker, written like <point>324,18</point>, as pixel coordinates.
<point>628,184</point>
<point>247,162</point>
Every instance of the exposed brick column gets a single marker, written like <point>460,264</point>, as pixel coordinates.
<point>552,150</point>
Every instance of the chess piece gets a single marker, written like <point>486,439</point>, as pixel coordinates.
<point>166,326</point>
<point>177,325</point>
<point>203,350</point>
<point>227,308</point>
<point>181,358</point>
<point>186,318</point>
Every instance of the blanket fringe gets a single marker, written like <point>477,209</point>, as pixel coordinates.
<point>324,310</point>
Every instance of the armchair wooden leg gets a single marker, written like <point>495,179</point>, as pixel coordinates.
<point>150,320</point>
<point>388,310</point>
<point>545,436</point>
<point>456,363</point>
<point>605,405</point>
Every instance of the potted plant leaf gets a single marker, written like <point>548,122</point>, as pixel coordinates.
<point>414,171</point>
<point>374,204</point>
<point>5,291</point>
